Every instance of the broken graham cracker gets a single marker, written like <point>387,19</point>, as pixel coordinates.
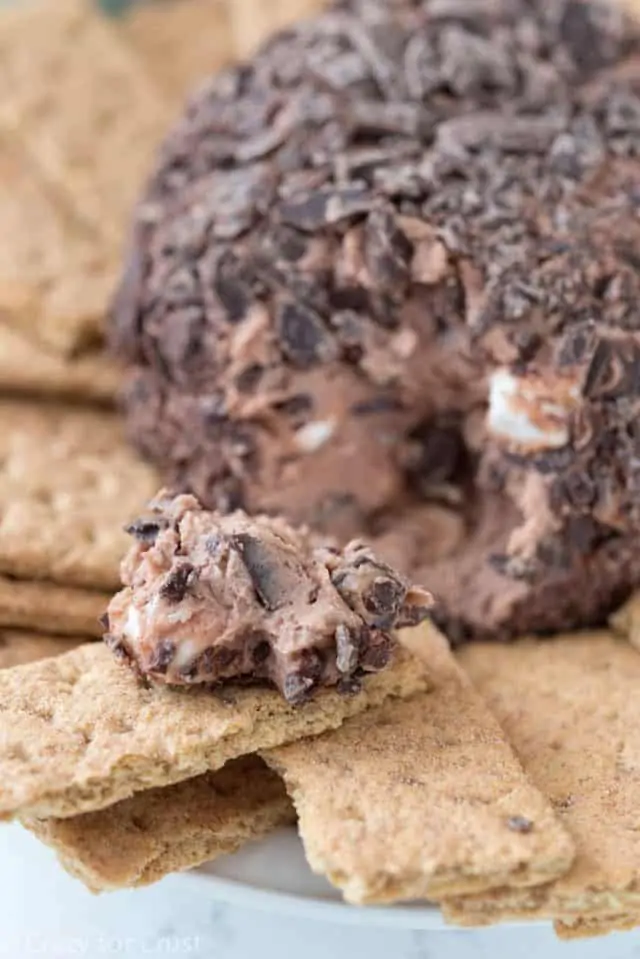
<point>68,485</point>
<point>29,368</point>
<point>416,799</point>
<point>582,928</point>
<point>61,610</point>
<point>141,839</point>
<point>81,733</point>
<point>18,647</point>
<point>569,707</point>
<point>82,106</point>
<point>55,275</point>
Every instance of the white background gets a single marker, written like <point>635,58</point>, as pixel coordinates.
<point>45,913</point>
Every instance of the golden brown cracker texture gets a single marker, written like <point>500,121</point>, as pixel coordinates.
<point>18,647</point>
<point>180,43</point>
<point>68,484</point>
<point>569,707</point>
<point>419,798</point>
<point>45,606</point>
<point>55,279</point>
<point>589,928</point>
<point>83,107</point>
<point>81,733</point>
<point>159,831</point>
<point>29,368</point>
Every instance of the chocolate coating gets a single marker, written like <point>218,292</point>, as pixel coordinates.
<point>393,260</point>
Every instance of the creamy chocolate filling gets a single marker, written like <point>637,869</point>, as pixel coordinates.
<point>210,597</point>
<point>392,263</point>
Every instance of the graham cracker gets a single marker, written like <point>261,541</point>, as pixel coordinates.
<point>582,928</point>
<point>55,276</point>
<point>569,706</point>
<point>142,839</point>
<point>81,733</point>
<point>28,368</point>
<point>61,610</point>
<point>419,798</point>
<point>18,647</point>
<point>68,485</point>
<point>83,107</point>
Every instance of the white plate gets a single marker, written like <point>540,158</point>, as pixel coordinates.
<point>273,874</point>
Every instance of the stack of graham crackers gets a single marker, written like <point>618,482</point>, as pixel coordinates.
<point>512,797</point>
<point>87,98</point>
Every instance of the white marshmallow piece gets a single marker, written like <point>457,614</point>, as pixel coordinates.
<point>314,435</point>
<point>526,412</point>
<point>133,625</point>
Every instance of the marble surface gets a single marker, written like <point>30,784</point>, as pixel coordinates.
<point>45,913</point>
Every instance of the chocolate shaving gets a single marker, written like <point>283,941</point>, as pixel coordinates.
<point>263,568</point>
<point>146,530</point>
<point>347,650</point>
<point>163,656</point>
<point>178,582</point>
<point>520,824</point>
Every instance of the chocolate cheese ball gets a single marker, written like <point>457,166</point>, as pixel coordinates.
<point>393,263</point>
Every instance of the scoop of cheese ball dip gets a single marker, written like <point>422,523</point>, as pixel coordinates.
<point>210,597</point>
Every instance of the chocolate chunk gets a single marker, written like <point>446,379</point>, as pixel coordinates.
<point>377,653</point>
<point>247,381</point>
<point>576,345</point>
<point>261,652</point>
<point>297,405</point>
<point>369,588</point>
<point>520,824</point>
<point>381,600</point>
<point>579,490</point>
<point>178,582</point>
<point>288,244</point>
<point>379,404</point>
<point>119,648</point>
<point>262,566</point>
<point>232,289</point>
<point>436,454</point>
<point>347,649</point>
<point>299,685</point>
<point>297,688</point>
<point>387,251</point>
<point>582,35</point>
<point>212,664</point>
<point>104,621</point>
<point>303,336</point>
<point>322,207</point>
<point>146,530</point>
<point>349,685</point>
<point>614,370</point>
<point>163,656</point>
